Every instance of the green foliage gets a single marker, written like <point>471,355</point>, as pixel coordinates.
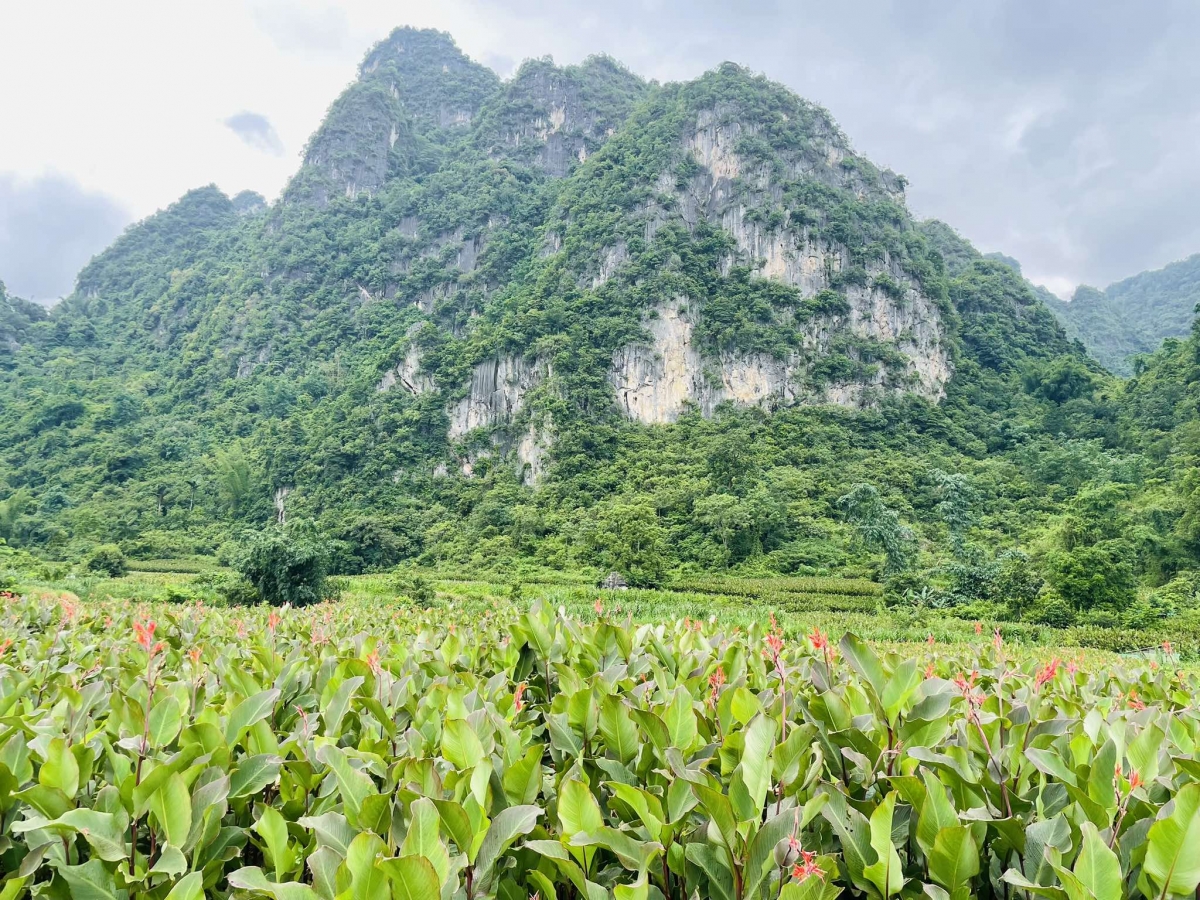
<point>221,358</point>
<point>1134,316</point>
<point>1093,577</point>
<point>878,527</point>
<point>286,565</point>
<point>341,752</point>
<point>106,559</point>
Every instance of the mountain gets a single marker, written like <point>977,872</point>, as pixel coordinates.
<point>1134,316</point>
<point>17,318</point>
<point>568,319</point>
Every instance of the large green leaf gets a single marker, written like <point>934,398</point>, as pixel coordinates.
<point>172,806</point>
<point>631,853</point>
<point>424,837</point>
<point>936,813</point>
<point>102,831</point>
<point>354,786</point>
<point>60,770</point>
<point>954,860</point>
<point>253,774</point>
<point>1172,861</point>
<point>272,828</point>
<point>645,805</point>
<point>752,778</point>
<point>1097,868</point>
<point>460,744</point>
<point>899,688</point>
<point>577,809</point>
<point>251,878</point>
<point>189,887</point>
<point>508,825</point>
<point>865,663</point>
<point>165,721</point>
<point>251,710</point>
<point>886,873</point>
<point>90,881</point>
<point>368,880</point>
<point>616,725</point>
<point>412,878</point>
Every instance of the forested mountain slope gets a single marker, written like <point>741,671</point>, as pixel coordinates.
<point>17,316</point>
<point>1133,316</point>
<point>571,318</point>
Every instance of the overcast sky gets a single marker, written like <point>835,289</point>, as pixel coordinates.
<point>1065,134</point>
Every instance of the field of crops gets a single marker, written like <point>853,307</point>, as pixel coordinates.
<point>371,750</point>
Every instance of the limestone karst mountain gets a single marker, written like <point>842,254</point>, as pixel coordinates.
<point>469,276</point>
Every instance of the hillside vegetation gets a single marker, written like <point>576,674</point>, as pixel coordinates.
<point>1134,316</point>
<point>579,322</point>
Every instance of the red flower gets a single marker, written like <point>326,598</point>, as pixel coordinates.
<point>807,868</point>
<point>979,628</point>
<point>1167,648</point>
<point>929,671</point>
<point>145,637</point>
<point>966,685</point>
<point>273,621</point>
<point>1047,674</point>
<point>4,645</point>
<point>775,644</point>
<point>715,681</point>
<point>997,639</point>
<point>1135,702</point>
<point>930,640</point>
<point>598,606</point>
<point>518,703</point>
<point>818,639</point>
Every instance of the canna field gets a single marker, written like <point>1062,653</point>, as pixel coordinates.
<point>369,750</point>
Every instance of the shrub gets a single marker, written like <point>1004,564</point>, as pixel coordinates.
<point>1093,576</point>
<point>106,559</point>
<point>286,565</point>
<point>1051,609</point>
<point>415,586</point>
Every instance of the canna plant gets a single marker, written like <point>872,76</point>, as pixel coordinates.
<point>364,751</point>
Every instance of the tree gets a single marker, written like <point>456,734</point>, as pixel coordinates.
<point>233,477</point>
<point>627,536</point>
<point>1099,576</point>
<point>286,565</point>
<point>956,507</point>
<point>11,510</point>
<point>106,559</point>
<point>879,527</point>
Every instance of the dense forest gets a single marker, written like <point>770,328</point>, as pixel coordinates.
<point>581,321</point>
<point>1133,317</point>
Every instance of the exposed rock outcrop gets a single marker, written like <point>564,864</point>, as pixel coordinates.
<point>497,393</point>
<point>407,374</point>
<point>657,381</point>
<point>555,118</point>
<point>412,81</point>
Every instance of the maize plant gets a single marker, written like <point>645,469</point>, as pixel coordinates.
<point>367,752</point>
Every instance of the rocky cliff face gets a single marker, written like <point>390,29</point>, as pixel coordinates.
<point>735,173</point>
<point>497,394</point>
<point>410,83</point>
<point>657,381</point>
<point>554,118</point>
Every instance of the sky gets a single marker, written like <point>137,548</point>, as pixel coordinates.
<point>1063,134</point>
